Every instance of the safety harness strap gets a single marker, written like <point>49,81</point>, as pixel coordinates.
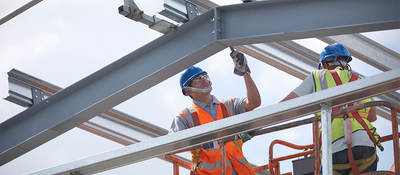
<point>224,111</point>
<point>356,115</point>
<point>196,120</point>
<point>225,114</point>
<point>364,125</point>
<point>350,153</point>
<point>195,152</point>
<point>338,82</point>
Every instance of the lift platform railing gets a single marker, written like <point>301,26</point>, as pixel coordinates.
<point>253,120</point>
<point>313,149</point>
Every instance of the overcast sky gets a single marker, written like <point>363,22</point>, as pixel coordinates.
<point>64,41</point>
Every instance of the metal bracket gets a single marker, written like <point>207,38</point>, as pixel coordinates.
<point>192,11</point>
<point>38,96</point>
<point>132,11</point>
<point>180,11</point>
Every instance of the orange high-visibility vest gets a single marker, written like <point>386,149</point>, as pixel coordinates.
<point>209,160</point>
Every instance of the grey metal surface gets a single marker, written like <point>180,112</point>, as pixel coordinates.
<point>204,4</point>
<point>286,55</point>
<point>175,10</point>
<point>163,58</point>
<point>106,88</point>
<point>19,11</point>
<point>112,124</point>
<point>299,61</point>
<point>19,92</point>
<point>192,11</point>
<point>132,11</point>
<point>326,131</point>
<point>258,22</point>
<point>367,50</point>
<point>267,116</point>
<point>38,96</point>
<point>276,56</point>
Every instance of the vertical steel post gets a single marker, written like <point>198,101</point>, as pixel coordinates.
<point>223,160</point>
<point>395,126</point>
<point>326,111</point>
<point>176,168</point>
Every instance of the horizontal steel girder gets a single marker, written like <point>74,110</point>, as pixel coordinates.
<point>299,61</point>
<point>267,116</point>
<point>164,57</point>
<point>367,50</point>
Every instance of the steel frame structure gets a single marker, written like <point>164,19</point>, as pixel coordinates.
<point>203,36</point>
<point>113,125</point>
<point>19,11</point>
<point>227,128</point>
<point>299,61</point>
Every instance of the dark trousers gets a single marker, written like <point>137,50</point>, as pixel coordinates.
<point>359,153</point>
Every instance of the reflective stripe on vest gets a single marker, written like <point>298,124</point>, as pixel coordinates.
<point>211,166</point>
<point>209,158</point>
<point>324,79</point>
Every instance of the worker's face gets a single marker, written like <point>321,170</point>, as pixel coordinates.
<point>201,81</point>
<point>332,64</point>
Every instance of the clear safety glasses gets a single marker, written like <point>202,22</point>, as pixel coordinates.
<point>200,77</point>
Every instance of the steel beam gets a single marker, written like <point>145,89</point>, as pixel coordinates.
<point>108,87</point>
<point>164,57</point>
<point>277,20</point>
<point>299,61</point>
<point>203,4</point>
<point>267,116</point>
<point>19,11</point>
<point>367,50</point>
<point>112,124</point>
<point>279,57</point>
<point>326,131</point>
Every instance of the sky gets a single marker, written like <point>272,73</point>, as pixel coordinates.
<point>64,41</point>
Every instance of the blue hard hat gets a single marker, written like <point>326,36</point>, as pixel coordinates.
<point>190,73</point>
<point>334,50</point>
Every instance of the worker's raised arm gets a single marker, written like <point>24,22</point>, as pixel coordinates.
<point>306,87</point>
<point>290,96</point>
<point>253,96</point>
<point>242,69</point>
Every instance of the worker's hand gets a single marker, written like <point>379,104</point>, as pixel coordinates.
<point>240,61</point>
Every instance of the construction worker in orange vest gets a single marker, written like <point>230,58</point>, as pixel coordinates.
<point>207,108</point>
<point>353,136</point>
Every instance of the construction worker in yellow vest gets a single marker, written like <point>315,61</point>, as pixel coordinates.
<point>353,145</point>
<point>206,108</point>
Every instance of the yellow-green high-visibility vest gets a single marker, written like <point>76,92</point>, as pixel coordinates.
<point>323,79</point>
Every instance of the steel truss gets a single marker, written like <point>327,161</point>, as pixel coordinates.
<point>229,127</point>
<point>204,36</point>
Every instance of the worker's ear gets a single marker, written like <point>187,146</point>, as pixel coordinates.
<point>324,66</point>
<point>186,92</point>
